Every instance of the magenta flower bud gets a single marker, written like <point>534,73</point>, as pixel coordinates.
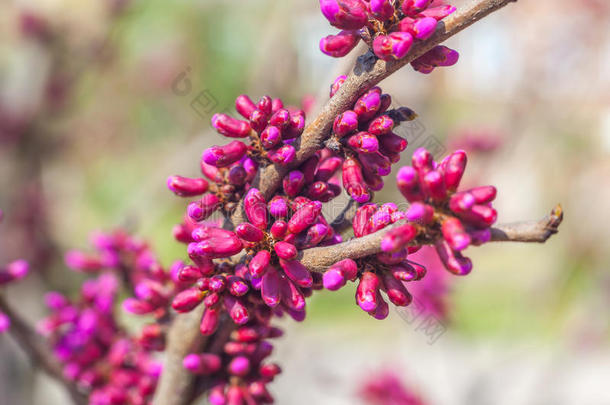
<point>420,212</point>
<point>217,248</point>
<point>481,216</point>
<point>339,45</point>
<point>17,269</point>
<point>270,288</point>
<point>239,366</point>
<point>237,286</point>
<point>258,120</point>
<point>135,306</point>
<point>251,168</point>
<point>258,264</point>
<point>55,301</point>
<point>292,296</point>
<point>256,208</point>
<point>398,238</point>
<point>366,293</point>
<point>217,396</point>
<point>218,283</point>
<point>5,322</point>
<point>363,142</point>
<point>265,106</point>
<point>422,161</point>
<point>345,14</point>
<point>283,156</point>
<point>230,127</point>
<point>483,194</point>
<point>278,206</point>
<point>223,156</point>
<point>368,105</point>
<point>334,87</point>
<point>79,261</point>
<point>187,187</point>
<point>186,300</point>
<point>392,143</point>
<point>280,119</point>
<point>396,45</point>
<point>454,168</point>
<point>453,260</point>
<point>454,233</point>
<point>403,272</point>
<point>271,137</point>
<point>381,125</point>
<point>237,176</point>
<point>315,234</point>
<point>297,272</point>
<point>414,7</point>
<point>211,172</point>
<point>286,251</point>
<point>202,209</point>
<point>333,279</point>
<point>437,56</point>
<point>249,232</point>
<point>327,168</point>
<point>345,123</point>
<point>209,321</point>
<point>433,185</point>
<point>204,363</point>
<point>353,181</point>
<point>461,202</point>
<point>396,291</point>
<point>208,232</point>
<point>309,168</point>
<point>304,217</point>
<point>189,274</point>
<point>235,395</point>
<point>278,229</point>
<point>244,106</point>
<point>392,258</point>
<point>236,309</point>
<point>293,183</point>
<point>381,9</point>
<point>480,236</point>
<point>438,13</point>
<point>420,28</point>
<point>382,310</point>
<point>361,219</point>
<point>297,125</point>
<point>376,163</point>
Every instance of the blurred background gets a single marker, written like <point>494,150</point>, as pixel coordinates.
<point>100,101</point>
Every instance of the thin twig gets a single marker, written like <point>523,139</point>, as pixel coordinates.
<point>319,259</point>
<point>38,351</point>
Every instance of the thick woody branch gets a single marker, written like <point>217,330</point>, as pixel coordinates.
<point>38,351</point>
<point>358,82</point>
<point>319,259</point>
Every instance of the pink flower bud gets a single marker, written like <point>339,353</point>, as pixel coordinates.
<point>230,127</point>
<point>217,396</point>
<point>209,321</point>
<point>353,181</point>
<point>376,163</point>
<point>453,260</point>
<point>223,156</point>
<point>237,286</point>
<point>437,56</point>
<point>270,289</point>
<point>403,272</point>
<point>237,176</point>
<point>297,125</point>
<point>381,125</point>
<point>17,269</point>
<point>186,300</point>
<point>422,161</point>
<point>345,123</point>
<point>392,258</point>
<point>258,264</point>
<point>396,45</point>
<point>361,219</point>
<point>461,202</point>
<point>480,216</point>
<point>244,106</point>
<point>211,172</point>
<point>187,187</point>
<point>292,296</point>
<point>80,261</point>
<point>315,234</point>
<point>433,185</point>
<point>483,194</point>
<point>438,13</point>
<point>217,248</point>
<point>293,183</point>
<point>454,234</point>
<point>202,209</point>
<point>304,217</point>
<point>396,291</point>
<point>138,307</point>
<point>368,105</point>
<point>280,119</point>
<point>286,251</point>
<point>283,156</point>
<point>421,213</point>
<point>271,137</point>
<point>5,322</point>
<point>381,9</point>
<point>339,45</point>
<point>345,14</point>
<point>420,28</point>
<point>278,229</point>
<point>256,208</point>
<point>328,167</point>
<point>382,310</point>
<point>189,274</point>
<point>336,84</point>
<point>398,237</point>
<point>454,168</point>
<point>249,232</point>
<point>239,366</point>
<point>297,272</point>
<point>204,363</point>
<point>414,7</point>
<point>333,279</point>
<point>236,309</point>
<point>480,236</point>
<point>366,293</point>
<point>363,142</point>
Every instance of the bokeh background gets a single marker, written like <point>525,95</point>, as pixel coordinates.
<point>100,101</point>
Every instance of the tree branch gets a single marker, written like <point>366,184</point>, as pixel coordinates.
<point>357,83</point>
<point>319,259</point>
<point>38,351</point>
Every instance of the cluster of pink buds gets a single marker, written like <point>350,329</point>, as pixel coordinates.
<point>238,373</point>
<point>386,388</point>
<point>9,273</point>
<point>364,136</point>
<point>389,27</point>
<point>450,219</point>
<point>94,351</point>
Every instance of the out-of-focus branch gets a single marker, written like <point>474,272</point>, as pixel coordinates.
<point>359,81</point>
<point>319,259</point>
<point>343,221</point>
<point>38,351</point>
